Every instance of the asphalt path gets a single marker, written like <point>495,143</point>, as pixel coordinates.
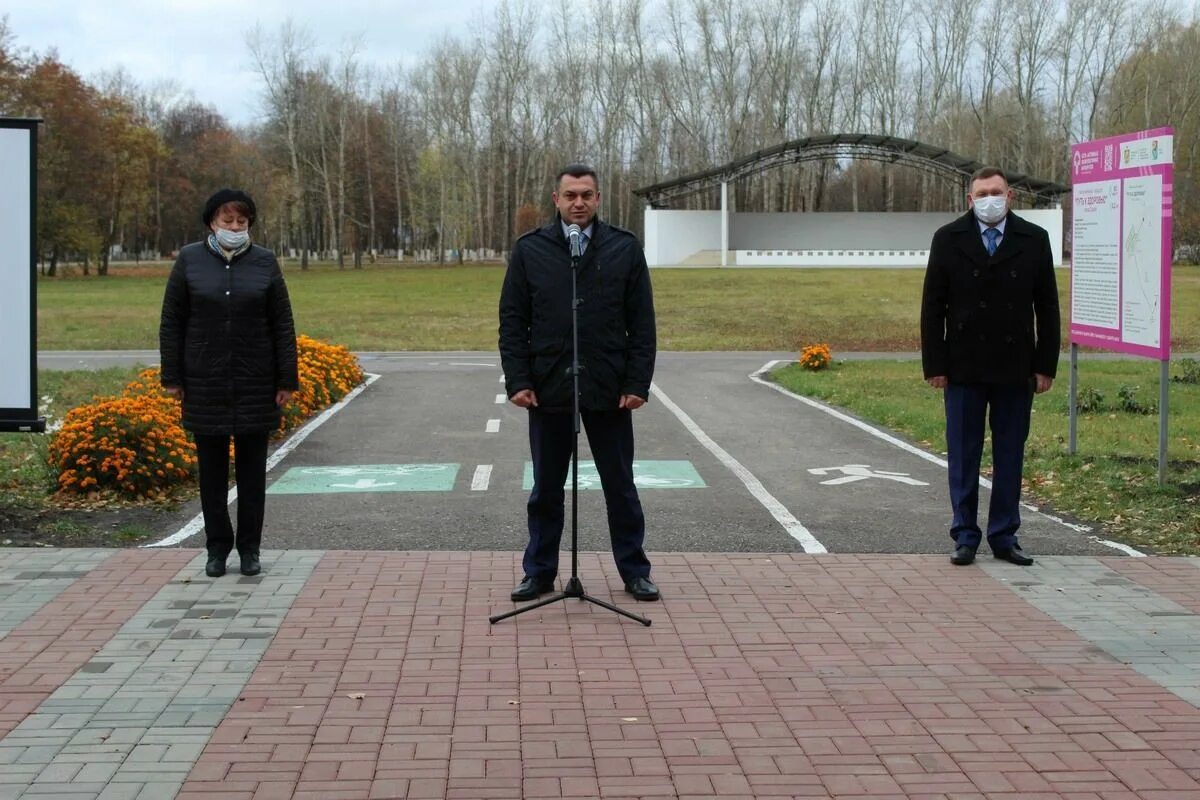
<point>779,473</point>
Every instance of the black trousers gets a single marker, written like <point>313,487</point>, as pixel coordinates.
<point>551,440</point>
<point>250,458</point>
<point>1006,408</point>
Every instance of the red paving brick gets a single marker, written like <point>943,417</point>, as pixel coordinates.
<point>762,676</point>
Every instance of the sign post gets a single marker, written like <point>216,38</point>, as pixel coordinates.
<point>1121,256</point>
<point>18,276</point>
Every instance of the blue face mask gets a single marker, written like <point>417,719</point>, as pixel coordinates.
<point>231,240</point>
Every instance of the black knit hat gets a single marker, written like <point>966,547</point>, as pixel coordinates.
<point>224,196</point>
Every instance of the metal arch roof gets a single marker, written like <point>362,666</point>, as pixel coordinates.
<point>828,146</point>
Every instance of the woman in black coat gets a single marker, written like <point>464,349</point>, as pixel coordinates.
<point>228,349</point>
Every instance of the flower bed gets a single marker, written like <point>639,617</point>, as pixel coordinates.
<point>816,356</point>
<point>134,446</point>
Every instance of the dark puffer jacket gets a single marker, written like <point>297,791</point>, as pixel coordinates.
<point>228,339</point>
<point>617,343</point>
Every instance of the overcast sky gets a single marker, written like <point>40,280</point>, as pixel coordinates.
<point>201,45</point>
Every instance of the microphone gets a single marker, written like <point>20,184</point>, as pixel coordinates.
<point>575,237</point>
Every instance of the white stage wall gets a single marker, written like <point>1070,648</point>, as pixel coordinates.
<point>896,239</point>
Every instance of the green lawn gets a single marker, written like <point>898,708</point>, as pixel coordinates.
<point>426,307</point>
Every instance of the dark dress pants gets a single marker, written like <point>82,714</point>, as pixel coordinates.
<point>250,459</point>
<point>610,436</point>
<point>1006,407</point>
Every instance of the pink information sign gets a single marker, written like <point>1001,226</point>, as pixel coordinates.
<point>1121,243</point>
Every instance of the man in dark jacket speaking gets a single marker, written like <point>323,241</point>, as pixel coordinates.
<point>617,347</point>
<point>989,339</point>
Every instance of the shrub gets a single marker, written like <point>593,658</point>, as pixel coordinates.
<point>1128,401</point>
<point>327,374</point>
<point>1090,400</point>
<point>815,357</point>
<point>132,445</point>
<point>135,446</point>
<point>1191,371</point>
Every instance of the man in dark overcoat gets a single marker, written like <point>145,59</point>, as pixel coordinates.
<point>617,348</point>
<point>989,340</point>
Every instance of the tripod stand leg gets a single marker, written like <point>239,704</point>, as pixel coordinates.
<point>620,611</point>
<point>554,598</point>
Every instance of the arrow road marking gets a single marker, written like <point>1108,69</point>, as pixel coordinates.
<point>861,472</point>
<point>361,483</point>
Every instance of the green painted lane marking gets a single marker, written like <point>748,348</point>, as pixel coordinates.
<point>368,478</point>
<point>646,475</point>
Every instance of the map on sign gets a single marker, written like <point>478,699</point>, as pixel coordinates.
<point>1142,268</point>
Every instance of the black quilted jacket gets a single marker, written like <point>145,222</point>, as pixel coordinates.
<point>228,339</point>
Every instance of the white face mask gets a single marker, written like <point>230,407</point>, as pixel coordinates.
<point>231,240</point>
<point>990,209</point>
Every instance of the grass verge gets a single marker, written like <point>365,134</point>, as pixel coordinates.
<point>429,307</point>
<point>1112,479</point>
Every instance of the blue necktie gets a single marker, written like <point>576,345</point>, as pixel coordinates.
<point>583,243</point>
<point>992,235</point>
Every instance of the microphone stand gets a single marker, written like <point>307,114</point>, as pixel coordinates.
<point>573,587</point>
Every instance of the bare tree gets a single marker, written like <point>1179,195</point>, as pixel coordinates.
<point>281,63</point>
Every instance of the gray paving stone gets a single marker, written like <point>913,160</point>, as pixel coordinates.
<point>123,791</point>
<point>59,772</point>
<point>64,790</point>
<point>29,579</point>
<point>96,773</point>
<point>1152,634</point>
<point>140,713</point>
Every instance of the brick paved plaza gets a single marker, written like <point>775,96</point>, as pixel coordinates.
<point>128,674</point>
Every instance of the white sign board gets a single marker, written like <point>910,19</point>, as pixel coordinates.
<point>18,356</point>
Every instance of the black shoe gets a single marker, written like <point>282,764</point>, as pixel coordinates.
<point>529,588</point>
<point>963,555</point>
<point>1014,555</point>
<point>642,588</point>
<point>250,565</point>
<point>215,567</point>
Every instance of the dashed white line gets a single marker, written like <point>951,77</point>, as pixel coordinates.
<point>500,399</point>
<point>493,426</point>
<point>481,478</point>
<point>777,509</point>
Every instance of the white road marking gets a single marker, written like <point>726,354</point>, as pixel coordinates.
<point>493,426</point>
<point>777,509</point>
<point>908,448</point>
<point>482,478</point>
<point>196,523</point>
<point>500,399</point>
